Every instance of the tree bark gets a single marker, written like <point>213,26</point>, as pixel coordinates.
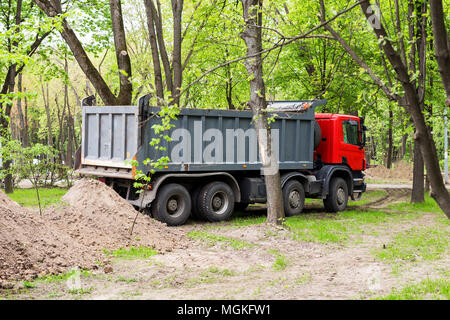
<point>22,128</point>
<point>149,9</point>
<point>177,10</point>
<point>122,56</point>
<point>390,142</point>
<point>418,189</point>
<point>45,98</point>
<point>252,36</point>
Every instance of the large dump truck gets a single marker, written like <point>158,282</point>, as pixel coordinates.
<point>214,165</point>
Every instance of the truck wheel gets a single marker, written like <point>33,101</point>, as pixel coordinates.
<point>337,197</point>
<point>172,205</point>
<point>293,198</point>
<point>216,201</point>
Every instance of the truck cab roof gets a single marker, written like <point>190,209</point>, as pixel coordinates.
<point>335,116</point>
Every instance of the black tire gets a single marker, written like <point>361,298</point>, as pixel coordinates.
<point>293,198</point>
<point>216,201</point>
<point>337,197</point>
<point>195,212</point>
<point>172,205</point>
<point>240,206</point>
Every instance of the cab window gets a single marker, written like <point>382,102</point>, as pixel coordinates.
<point>351,132</point>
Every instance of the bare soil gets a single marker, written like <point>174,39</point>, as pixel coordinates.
<point>75,234</point>
<point>401,170</point>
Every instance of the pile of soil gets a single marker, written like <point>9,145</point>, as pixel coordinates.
<point>95,219</point>
<point>400,170</point>
<point>98,217</point>
<point>30,246</point>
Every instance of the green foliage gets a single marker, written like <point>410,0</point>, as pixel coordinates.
<point>143,178</point>
<point>30,163</point>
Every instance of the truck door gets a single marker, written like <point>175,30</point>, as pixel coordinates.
<point>352,152</point>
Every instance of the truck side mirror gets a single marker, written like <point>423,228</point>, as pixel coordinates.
<point>363,137</point>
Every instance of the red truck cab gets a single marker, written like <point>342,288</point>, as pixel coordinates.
<point>342,140</point>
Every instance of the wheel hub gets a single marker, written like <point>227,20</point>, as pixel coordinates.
<point>172,205</point>
<point>340,196</point>
<point>217,202</point>
<point>294,199</point>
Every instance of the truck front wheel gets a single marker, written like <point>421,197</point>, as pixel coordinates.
<point>216,201</point>
<point>293,198</point>
<point>172,205</point>
<point>337,197</point>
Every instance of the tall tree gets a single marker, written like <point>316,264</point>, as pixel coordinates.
<point>422,136</point>
<point>18,46</point>
<point>252,13</point>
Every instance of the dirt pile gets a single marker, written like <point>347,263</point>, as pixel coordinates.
<point>95,219</point>
<point>30,247</point>
<point>400,170</point>
<point>98,217</point>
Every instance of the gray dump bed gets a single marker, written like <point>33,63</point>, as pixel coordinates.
<point>202,140</point>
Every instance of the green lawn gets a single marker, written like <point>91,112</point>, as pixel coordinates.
<point>436,289</point>
<point>28,197</point>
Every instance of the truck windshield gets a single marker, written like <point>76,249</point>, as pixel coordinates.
<point>351,132</point>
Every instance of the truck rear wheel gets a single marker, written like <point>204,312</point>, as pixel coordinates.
<point>337,197</point>
<point>172,205</point>
<point>216,201</point>
<point>293,198</point>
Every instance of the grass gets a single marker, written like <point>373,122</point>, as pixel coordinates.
<point>29,284</point>
<point>55,278</point>
<point>28,197</point>
<point>428,206</point>
<point>126,280</point>
<point>81,291</point>
<point>133,253</point>
<point>338,227</point>
<point>211,275</point>
<point>280,261</point>
<point>416,244</point>
<point>436,289</point>
<point>64,276</point>
<point>214,239</point>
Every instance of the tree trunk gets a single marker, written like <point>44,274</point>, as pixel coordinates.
<point>122,56</point>
<point>151,17</point>
<point>390,142</point>
<point>177,10</point>
<point>252,36</point>
<point>45,97</point>
<point>418,190</point>
<point>20,112</point>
